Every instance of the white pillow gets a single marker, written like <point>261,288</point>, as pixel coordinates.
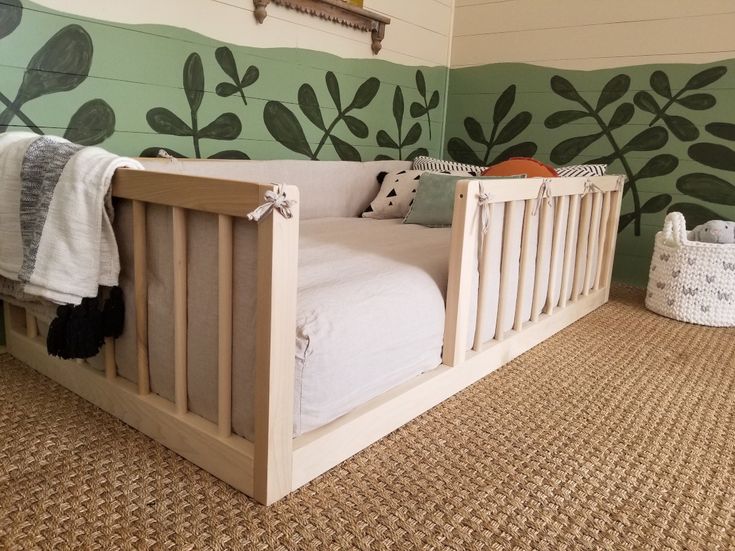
<point>439,165</point>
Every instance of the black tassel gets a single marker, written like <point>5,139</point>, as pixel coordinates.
<point>113,313</point>
<point>56,338</point>
<point>84,331</point>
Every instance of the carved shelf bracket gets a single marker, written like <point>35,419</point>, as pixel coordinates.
<point>333,10</point>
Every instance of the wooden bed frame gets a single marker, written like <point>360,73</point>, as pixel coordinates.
<point>276,463</point>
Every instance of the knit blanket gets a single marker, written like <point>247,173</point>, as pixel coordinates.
<point>56,236</point>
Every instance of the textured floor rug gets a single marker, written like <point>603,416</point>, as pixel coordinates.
<point>618,433</point>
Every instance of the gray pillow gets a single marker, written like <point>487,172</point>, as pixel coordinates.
<point>433,204</point>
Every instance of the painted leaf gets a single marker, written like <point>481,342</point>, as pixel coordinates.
<point>417,110</point>
<point>251,75</point>
<point>60,65</point>
<point>504,104</point>
<point>474,130</point>
<point>365,93</point>
<point>225,127</point>
<point>382,157</point>
<point>695,214</point>
<point>230,154</point>
<point>697,102</point>
<point>226,61</point>
<point>622,116</point>
<point>523,149</point>
<point>649,139</point>
<point>164,121</point>
<point>226,89</point>
<point>624,220</point>
<point>724,130</point>
<point>434,100</point>
<point>562,87</point>
<point>660,165</point>
<point>398,106</point>
<point>660,84</point>
<point>309,105</point>
<point>515,126</point>
<point>11,12</point>
<point>420,152</point>
<point>615,89</point>
<point>603,160</point>
<point>681,128</point>
<point>286,128</point>
<point>344,150</point>
<point>713,155</point>
<point>152,152</point>
<point>570,148</point>
<point>384,140</point>
<point>412,136</point>
<point>333,88</point>
<point>92,124</point>
<point>706,77</point>
<point>707,187</point>
<point>358,128</point>
<point>421,83</point>
<point>657,203</point>
<point>646,101</point>
<point>560,118</point>
<point>194,81</point>
<point>462,153</point>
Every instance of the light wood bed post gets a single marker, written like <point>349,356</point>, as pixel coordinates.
<point>278,246</point>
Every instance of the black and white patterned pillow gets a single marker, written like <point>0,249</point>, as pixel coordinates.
<point>431,164</point>
<point>581,170</point>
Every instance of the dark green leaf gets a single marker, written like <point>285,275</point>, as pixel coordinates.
<point>164,121</point>
<point>230,154</point>
<point>92,124</point>
<point>420,152</point>
<point>365,93</point>
<point>434,100</point>
<point>695,214</point>
<point>515,126</point>
<point>523,149</point>
<point>382,157</point>
<point>421,84</point>
<point>461,152</point>
<point>384,140</point>
<point>250,76</point>
<point>660,165</point>
<point>152,152</point>
<point>333,87</point>
<point>645,101</point>
<point>615,89</point>
<point>707,187</point>
<point>660,84</point>
<point>622,116</point>
<point>649,139</point>
<point>309,105</point>
<point>562,87</point>
<point>705,78</point>
<point>504,104</point>
<point>285,128</point>
<point>225,127</point>
<point>417,110</point>
<point>11,12</point>
<point>344,150</point>
<point>412,136</point>
<point>194,81</point>
<point>657,203</point>
<point>697,102</point>
<point>356,126</point>
<point>724,130</point>
<point>227,62</point>
<point>713,155</point>
<point>474,130</point>
<point>60,65</point>
<point>570,148</point>
<point>604,160</point>
<point>560,118</point>
<point>681,127</point>
<point>624,220</point>
<point>398,106</point>
<point>226,89</point>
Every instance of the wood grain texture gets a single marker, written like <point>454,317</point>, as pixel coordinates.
<point>140,278</point>
<point>224,324</point>
<point>180,268</point>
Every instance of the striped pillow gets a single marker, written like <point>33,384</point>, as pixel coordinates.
<point>581,170</point>
<point>438,165</point>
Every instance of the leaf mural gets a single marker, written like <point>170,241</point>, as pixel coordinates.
<point>227,63</point>
<point>429,103</point>
<point>11,12</point>
<point>92,124</point>
<point>500,134</point>
<point>402,141</point>
<point>286,128</point>
<point>226,126</point>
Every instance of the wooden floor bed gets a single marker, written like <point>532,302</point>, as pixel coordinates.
<point>275,463</point>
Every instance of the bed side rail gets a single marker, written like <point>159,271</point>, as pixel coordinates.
<point>586,257</point>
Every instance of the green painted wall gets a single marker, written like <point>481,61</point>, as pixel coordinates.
<point>669,128</point>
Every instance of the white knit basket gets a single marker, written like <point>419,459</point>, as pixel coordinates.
<point>691,281</point>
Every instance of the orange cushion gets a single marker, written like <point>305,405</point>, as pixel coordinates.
<point>520,165</point>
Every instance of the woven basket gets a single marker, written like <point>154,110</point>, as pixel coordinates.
<point>689,280</point>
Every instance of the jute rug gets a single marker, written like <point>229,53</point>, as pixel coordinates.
<point>618,433</point>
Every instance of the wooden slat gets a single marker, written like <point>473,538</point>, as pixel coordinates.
<point>180,263</point>
<point>555,248</point>
<point>502,190</point>
<point>483,290</point>
<point>141,295</point>
<point>224,330</point>
<point>612,237</point>
<point>523,270</point>
<point>592,243</point>
<point>566,271</point>
<point>31,325</point>
<point>110,364</point>
<point>582,246</point>
<point>505,263</point>
<point>602,241</point>
<point>539,286</point>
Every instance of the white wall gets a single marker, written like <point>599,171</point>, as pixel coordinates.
<point>592,34</point>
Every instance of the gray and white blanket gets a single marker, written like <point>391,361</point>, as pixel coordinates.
<point>56,237</point>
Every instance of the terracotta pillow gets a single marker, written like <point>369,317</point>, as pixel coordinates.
<point>520,165</point>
